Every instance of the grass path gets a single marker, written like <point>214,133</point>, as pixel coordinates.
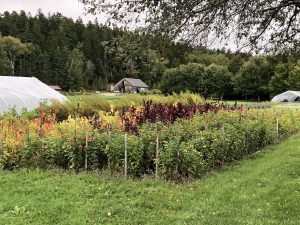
<point>264,189</point>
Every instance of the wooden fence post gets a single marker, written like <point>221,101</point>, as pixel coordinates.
<point>176,172</point>
<point>157,157</point>
<point>1,145</point>
<point>27,134</point>
<point>295,113</point>
<point>277,128</point>
<point>223,142</point>
<point>42,147</point>
<point>247,129</point>
<point>293,121</point>
<point>76,115</point>
<point>86,150</point>
<point>109,134</point>
<point>205,122</point>
<point>109,142</point>
<point>126,156</point>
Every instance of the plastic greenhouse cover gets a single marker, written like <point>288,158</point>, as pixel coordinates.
<point>289,96</point>
<point>25,93</point>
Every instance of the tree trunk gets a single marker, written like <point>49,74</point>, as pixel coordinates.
<point>12,65</point>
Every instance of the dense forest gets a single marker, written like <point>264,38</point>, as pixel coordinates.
<point>78,56</point>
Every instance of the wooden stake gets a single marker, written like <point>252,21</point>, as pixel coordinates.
<point>28,134</point>
<point>76,115</point>
<point>293,121</point>
<point>109,136</point>
<point>247,128</point>
<point>157,157</point>
<point>126,156</point>
<point>176,172</point>
<point>205,122</point>
<point>86,149</point>
<point>109,141</point>
<point>223,141</point>
<point>277,128</point>
<point>1,145</point>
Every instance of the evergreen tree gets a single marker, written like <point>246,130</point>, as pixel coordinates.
<point>58,59</point>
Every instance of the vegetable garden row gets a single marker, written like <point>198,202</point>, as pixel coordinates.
<point>171,141</point>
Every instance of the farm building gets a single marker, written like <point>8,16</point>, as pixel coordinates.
<point>25,92</point>
<point>130,85</point>
<point>55,87</point>
<point>288,96</point>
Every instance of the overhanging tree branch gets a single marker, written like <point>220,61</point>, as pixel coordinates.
<point>263,23</point>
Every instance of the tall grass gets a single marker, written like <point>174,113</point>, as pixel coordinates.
<point>89,105</point>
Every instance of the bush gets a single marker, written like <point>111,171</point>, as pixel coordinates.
<point>115,151</point>
<point>151,92</point>
<point>181,160</point>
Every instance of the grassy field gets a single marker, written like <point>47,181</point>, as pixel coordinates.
<point>264,189</point>
<point>127,99</point>
<point>140,97</point>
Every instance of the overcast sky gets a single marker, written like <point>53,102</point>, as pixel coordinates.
<point>69,8</point>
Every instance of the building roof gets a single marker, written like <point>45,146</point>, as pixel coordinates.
<point>55,87</point>
<point>136,82</point>
<point>25,92</point>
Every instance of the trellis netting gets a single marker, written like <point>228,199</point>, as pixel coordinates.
<point>25,93</point>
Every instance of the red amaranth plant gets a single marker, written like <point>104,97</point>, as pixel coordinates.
<point>166,113</point>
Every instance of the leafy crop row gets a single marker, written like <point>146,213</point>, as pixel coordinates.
<point>189,145</point>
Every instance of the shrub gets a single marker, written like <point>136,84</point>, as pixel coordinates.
<point>180,159</point>
<point>96,151</point>
<point>115,151</point>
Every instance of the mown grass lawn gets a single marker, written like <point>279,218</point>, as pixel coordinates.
<point>264,189</point>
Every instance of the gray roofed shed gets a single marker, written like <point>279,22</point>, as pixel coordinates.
<point>136,82</point>
<point>130,85</point>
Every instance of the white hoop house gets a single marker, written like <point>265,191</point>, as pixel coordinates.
<point>288,96</point>
<point>25,93</point>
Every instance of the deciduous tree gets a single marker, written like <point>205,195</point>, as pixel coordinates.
<point>294,77</point>
<point>13,48</point>
<point>280,81</point>
<point>275,22</point>
<point>253,79</point>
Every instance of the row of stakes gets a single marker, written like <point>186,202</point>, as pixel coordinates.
<point>126,147</point>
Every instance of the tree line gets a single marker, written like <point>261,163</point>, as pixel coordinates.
<point>234,76</point>
<point>77,56</point>
<point>74,55</point>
